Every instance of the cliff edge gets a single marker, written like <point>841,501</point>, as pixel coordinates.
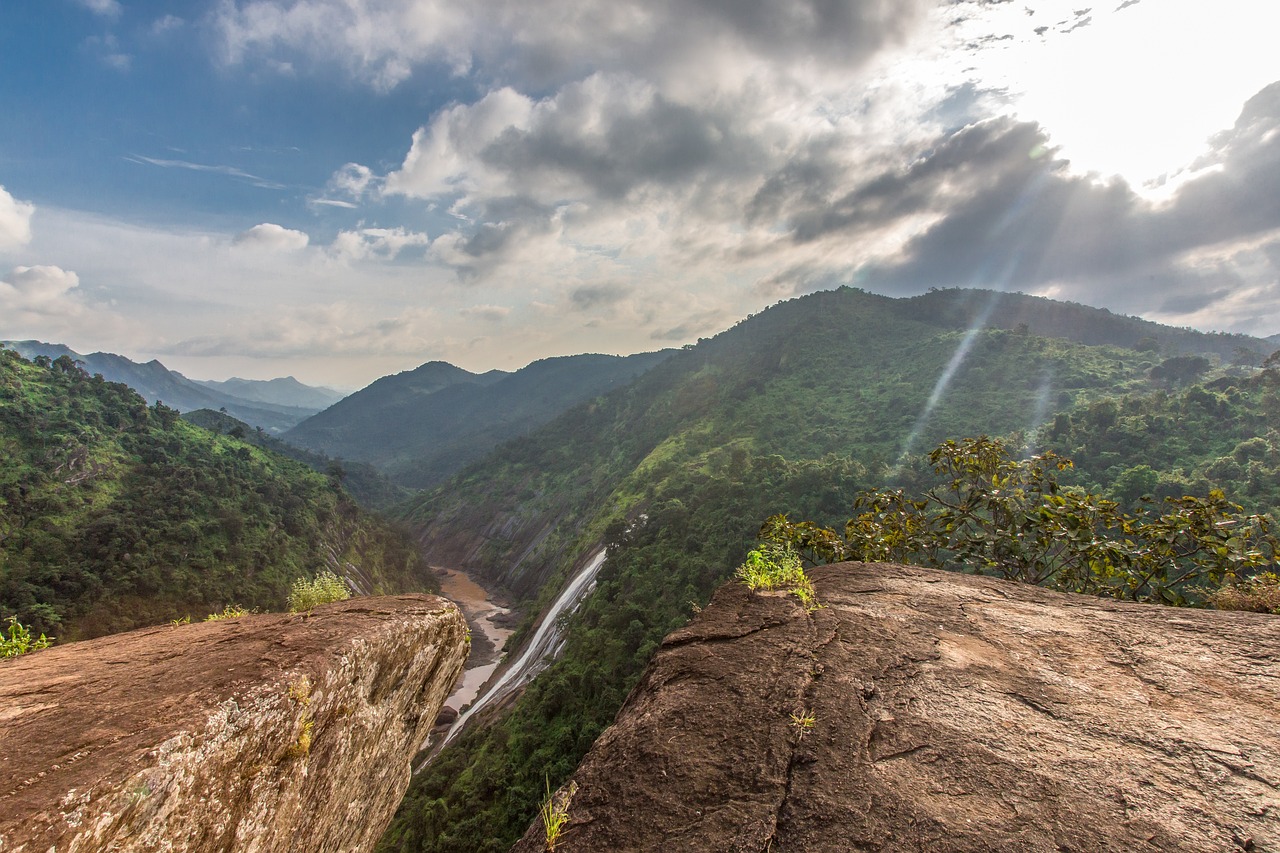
<point>264,733</point>
<point>928,711</point>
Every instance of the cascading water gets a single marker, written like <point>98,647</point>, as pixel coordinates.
<point>546,642</point>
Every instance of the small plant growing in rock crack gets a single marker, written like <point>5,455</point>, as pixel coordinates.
<point>777,566</point>
<point>19,641</point>
<point>185,620</point>
<point>231,611</point>
<point>554,812</point>
<point>803,722</point>
<point>326,587</point>
<point>300,692</point>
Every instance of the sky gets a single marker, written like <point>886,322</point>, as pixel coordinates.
<point>341,189</point>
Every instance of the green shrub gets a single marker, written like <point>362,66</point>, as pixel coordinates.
<point>231,611</point>
<point>19,641</point>
<point>326,587</point>
<point>1013,519</point>
<point>777,566</point>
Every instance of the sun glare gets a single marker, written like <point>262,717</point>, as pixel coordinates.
<point>1133,89</point>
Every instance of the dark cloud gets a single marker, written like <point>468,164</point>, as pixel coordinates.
<point>599,295</point>
<point>1010,215</point>
<point>1241,196</point>
<point>1189,303</point>
<point>653,142</point>
<point>562,39</point>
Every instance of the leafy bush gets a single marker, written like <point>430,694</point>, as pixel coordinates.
<point>777,566</point>
<point>1011,518</point>
<point>326,587</point>
<point>19,641</point>
<point>1258,594</point>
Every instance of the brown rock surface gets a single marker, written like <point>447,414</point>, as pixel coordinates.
<point>264,733</point>
<point>949,713</point>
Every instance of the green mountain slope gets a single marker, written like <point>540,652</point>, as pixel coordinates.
<point>794,410</point>
<point>115,514</point>
<point>367,485</point>
<point>421,426</point>
<point>155,382</point>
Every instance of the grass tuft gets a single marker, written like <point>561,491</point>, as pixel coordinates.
<point>554,812</point>
<point>323,589</point>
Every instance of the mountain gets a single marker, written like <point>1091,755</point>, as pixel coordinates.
<point>115,514</point>
<point>285,391</point>
<point>367,485</point>
<point>421,426</point>
<point>963,309</point>
<point>794,410</point>
<point>155,382</point>
<point>921,710</point>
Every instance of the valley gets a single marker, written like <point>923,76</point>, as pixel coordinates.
<point>578,544</point>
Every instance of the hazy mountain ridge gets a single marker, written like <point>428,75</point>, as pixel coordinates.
<point>962,308</point>
<point>282,391</point>
<point>422,425</point>
<point>155,382</point>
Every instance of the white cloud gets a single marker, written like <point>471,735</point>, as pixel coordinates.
<point>15,221</point>
<point>381,243</point>
<point>105,8</point>
<point>352,180</point>
<point>36,286</point>
<point>166,24</point>
<point>446,156</point>
<point>46,302</point>
<point>378,42</point>
<point>272,237</point>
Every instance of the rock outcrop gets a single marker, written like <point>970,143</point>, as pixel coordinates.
<point>926,711</point>
<point>281,732</point>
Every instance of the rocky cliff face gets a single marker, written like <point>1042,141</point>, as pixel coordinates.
<point>264,733</point>
<point>928,711</point>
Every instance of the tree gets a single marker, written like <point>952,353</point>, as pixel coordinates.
<point>1012,518</point>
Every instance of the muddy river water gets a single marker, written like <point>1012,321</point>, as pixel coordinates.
<point>481,614</point>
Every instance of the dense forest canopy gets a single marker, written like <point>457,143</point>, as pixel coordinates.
<point>115,514</point>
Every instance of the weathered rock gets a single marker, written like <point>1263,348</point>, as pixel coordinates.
<point>928,711</point>
<point>282,732</point>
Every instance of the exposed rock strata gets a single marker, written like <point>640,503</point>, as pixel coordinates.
<point>264,733</point>
<point>949,713</point>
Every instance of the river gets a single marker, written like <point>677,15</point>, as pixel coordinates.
<point>482,615</point>
<point>479,687</point>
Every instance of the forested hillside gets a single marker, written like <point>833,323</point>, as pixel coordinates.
<point>157,383</point>
<point>421,426</point>
<point>795,411</point>
<point>369,486</point>
<point>115,514</point>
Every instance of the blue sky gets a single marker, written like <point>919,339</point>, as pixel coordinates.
<point>339,189</point>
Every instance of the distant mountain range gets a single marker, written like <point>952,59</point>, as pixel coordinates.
<point>286,391</point>
<point>422,425</point>
<point>274,405</point>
